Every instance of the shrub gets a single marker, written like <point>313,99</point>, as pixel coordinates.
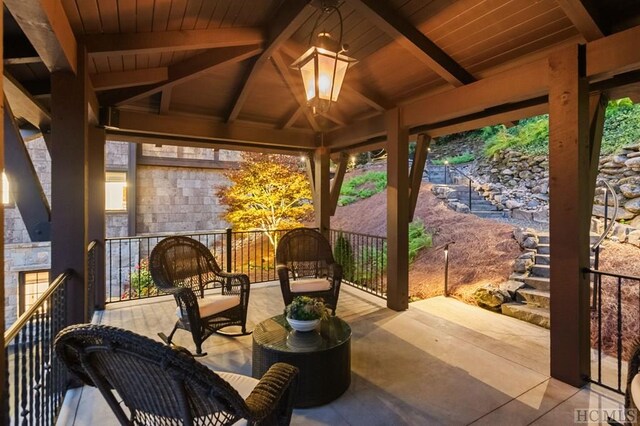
<point>531,135</point>
<point>140,281</point>
<point>343,254</point>
<point>362,186</point>
<point>419,238</point>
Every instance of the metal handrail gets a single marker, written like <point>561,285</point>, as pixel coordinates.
<point>15,328</point>
<point>616,206</point>
<point>469,178</point>
<point>610,274</point>
<point>91,245</point>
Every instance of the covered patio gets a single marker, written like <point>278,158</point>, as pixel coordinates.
<point>439,362</point>
<point>216,74</point>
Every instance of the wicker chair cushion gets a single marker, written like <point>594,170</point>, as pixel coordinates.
<point>211,305</point>
<point>307,285</point>
<point>635,390</point>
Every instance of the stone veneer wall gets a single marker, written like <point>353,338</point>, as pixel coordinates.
<point>176,199</point>
<point>116,158</point>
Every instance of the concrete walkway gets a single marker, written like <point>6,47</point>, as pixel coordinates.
<point>440,362</point>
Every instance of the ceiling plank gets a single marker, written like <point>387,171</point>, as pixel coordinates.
<point>367,97</point>
<point>121,79</point>
<point>23,105</point>
<point>46,26</point>
<point>184,71</point>
<point>294,88</point>
<point>385,18</point>
<point>583,18</point>
<point>207,129</point>
<point>171,41</point>
<point>288,18</point>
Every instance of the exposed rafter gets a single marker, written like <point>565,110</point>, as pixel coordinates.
<point>380,14</point>
<point>288,18</point>
<point>583,16</point>
<point>173,41</point>
<point>165,100</point>
<point>23,105</point>
<point>294,88</point>
<point>181,127</point>
<point>184,71</point>
<point>46,26</point>
<point>294,117</point>
<point>122,79</point>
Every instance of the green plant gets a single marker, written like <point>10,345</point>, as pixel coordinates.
<point>304,308</point>
<point>419,238</point>
<point>362,186</point>
<point>530,135</point>
<point>458,159</point>
<point>343,253</point>
<point>140,280</point>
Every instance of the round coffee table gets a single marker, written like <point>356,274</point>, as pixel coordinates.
<point>323,357</point>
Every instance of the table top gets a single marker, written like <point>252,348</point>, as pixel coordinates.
<point>276,334</point>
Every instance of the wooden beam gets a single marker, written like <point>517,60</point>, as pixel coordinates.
<point>96,208</point>
<point>333,116</point>
<point>45,24</point>
<point>614,54</point>
<point>294,88</point>
<point>288,18</point>
<point>165,100</point>
<point>397,212</point>
<point>24,182</point>
<point>321,193</point>
<point>310,167</point>
<point>569,216</point>
<point>400,29</point>
<point>582,18</point>
<point>23,105</point>
<point>294,117</point>
<point>184,71</point>
<point>198,128</point>
<point>417,168</point>
<point>341,168</point>
<point>356,90</point>
<point>122,79</point>
<point>597,108</point>
<point>171,41</point>
<point>355,133</point>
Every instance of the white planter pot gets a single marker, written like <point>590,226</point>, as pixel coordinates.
<point>303,325</point>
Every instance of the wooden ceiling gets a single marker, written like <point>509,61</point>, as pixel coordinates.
<point>228,60</point>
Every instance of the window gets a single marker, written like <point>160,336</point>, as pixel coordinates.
<point>5,189</point>
<point>32,285</point>
<point>116,191</point>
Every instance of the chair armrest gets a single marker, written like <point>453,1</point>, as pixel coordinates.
<point>188,303</point>
<point>335,271</point>
<point>273,396</point>
<point>232,280</point>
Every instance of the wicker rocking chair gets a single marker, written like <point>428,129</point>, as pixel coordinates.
<point>184,267</point>
<point>160,385</point>
<point>306,267</point>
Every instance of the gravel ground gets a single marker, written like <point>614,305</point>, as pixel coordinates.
<point>522,223</point>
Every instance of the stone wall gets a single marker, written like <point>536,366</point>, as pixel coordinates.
<point>175,199</point>
<point>21,257</point>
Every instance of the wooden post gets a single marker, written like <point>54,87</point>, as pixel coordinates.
<point>95,214</point>
<point>4,398</point>
<point>397,211</point>
<point>336,185</point>
<point>69,184</point>
<point>417,168</point>
<point>597,107</point>
<point>569,215</point>
<point>321,193</point>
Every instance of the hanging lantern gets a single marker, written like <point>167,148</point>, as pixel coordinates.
<point>323,68</point>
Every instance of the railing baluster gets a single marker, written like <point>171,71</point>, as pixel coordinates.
<point>619,333</point>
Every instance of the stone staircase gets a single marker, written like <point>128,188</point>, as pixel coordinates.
<point>456,192</point>
<point>533,299</point>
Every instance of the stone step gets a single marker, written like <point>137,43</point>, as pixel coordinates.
<point>543,259</point>
<point>464,195</point>
<point>533,297</point>
<point>544,248</point>
<point>530,314</point>
<point>480,206</point>
<point>541,271</point>
<point>543,238</point>
<point>539,283</point>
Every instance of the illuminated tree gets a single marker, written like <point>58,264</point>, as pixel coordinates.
<point>268,192</point>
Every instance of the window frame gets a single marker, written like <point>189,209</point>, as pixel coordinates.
<point>126,192</point>
<point>22,284</point>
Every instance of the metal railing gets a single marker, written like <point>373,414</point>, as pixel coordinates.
<point>449,168</point>
<point>364,260</point>
<point>608,226</point>
<point>36,381</point>
<point>247,252</point>
<point>92,275</point>
<point>614,326</point>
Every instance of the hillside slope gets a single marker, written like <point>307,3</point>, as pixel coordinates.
<point>483,252</point>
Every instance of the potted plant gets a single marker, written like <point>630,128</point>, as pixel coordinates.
<point>304,313</point>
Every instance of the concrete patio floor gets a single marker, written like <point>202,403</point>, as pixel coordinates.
<point>440,362</point>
